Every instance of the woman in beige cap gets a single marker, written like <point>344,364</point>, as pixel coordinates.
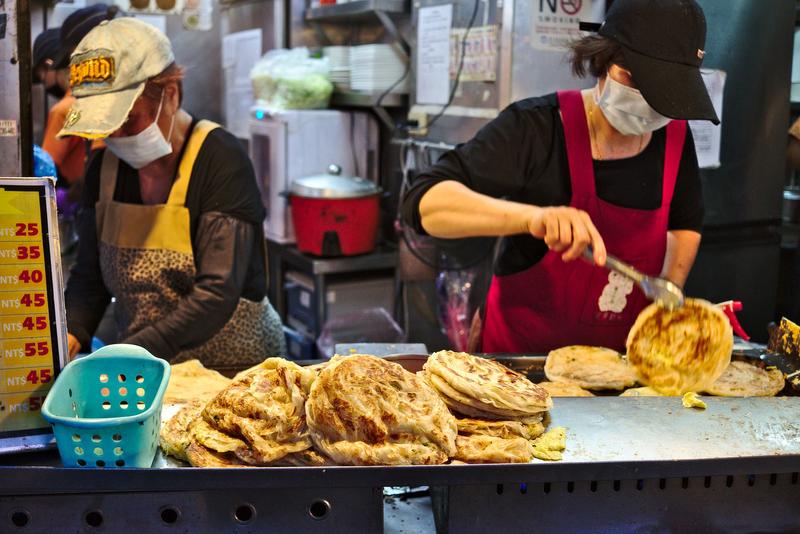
<point>171,218</point>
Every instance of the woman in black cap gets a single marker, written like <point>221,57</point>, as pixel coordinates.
<point>606,167</point>
<point>45,48</point>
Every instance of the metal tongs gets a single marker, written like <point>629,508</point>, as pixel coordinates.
<point>660,290</point>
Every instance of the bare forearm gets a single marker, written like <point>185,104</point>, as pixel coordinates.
<point>682,248</point>
<point>451,210</point>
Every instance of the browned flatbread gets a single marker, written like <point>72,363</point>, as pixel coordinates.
<point>364,410</point>
<point>460,403</point>
<point>680,350</point>
<point>481,449</point>
<point>742,379</point>
<point>500,429</point>
<point>641,392</point>
<point>175,435</point>
<point>190,380</point>
<point>306,458</point>
<point>564,389</point>
<point>200,456</point>
<point>487,387</point>
<point>225,447</point>
<point>266,409</point>
<point>589,368</point>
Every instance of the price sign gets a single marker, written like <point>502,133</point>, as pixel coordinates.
<point>32,321</point>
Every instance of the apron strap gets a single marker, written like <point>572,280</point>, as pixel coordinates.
<point>108,176</point>
<point>579,149</point>
<point>676,137</point>
<point>177,195</point>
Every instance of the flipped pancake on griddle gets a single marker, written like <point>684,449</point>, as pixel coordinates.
<point>594,368</point>
<point>680,350</point>
<point>742,379</point>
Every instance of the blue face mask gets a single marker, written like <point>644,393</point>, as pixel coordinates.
<point>146,146</point>
<point>626,109</point>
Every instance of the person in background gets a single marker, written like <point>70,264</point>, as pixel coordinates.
<point>606,168</point>
<point>171,219</point>
<point>45,49</point>
<point>69,154</point>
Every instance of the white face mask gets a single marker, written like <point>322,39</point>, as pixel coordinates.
<point>145,147</point>
<point>626,109</point>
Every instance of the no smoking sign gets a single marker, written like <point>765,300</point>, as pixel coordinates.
<point>571,7</point>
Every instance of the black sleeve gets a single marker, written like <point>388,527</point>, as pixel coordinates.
<point>223,248</point>
<point>687,209</point>
<point>226,179</point>
<point>495,162</point>
<point>86,296</point>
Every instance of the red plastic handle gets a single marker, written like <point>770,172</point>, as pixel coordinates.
<point>730,308</point>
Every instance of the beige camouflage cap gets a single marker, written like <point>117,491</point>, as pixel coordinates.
<point>108,71</point>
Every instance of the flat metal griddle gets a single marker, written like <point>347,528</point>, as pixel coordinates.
<point>631,464</point>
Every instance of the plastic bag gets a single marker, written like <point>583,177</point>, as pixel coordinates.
<point>43,164</point>
<point>291,79</point>
<point>455,310</point>
<point>373,325</point>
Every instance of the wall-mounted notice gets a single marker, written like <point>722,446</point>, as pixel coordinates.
<point>707,137</point>
<point>433,54</point>
<point>555,22</point>
<point>480,59</point>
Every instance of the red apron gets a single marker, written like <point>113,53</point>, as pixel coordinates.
<point>554,304</point>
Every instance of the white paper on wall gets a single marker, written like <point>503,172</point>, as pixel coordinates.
<point>240,52</point>
<point>433,54</point>
<point>707,136</point>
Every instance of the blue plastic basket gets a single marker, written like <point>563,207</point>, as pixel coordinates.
<point>105,409</point>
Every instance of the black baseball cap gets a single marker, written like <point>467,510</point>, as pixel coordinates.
<point>663,42</point>
<point>76,26</point>
<point>45,46</point>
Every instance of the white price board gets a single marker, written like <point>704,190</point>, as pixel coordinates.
<point>32,320</point>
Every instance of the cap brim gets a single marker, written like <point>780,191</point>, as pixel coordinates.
<point>98,116</point>
<point>674,90</point>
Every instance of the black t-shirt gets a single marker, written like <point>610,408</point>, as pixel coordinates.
<point>222,180</point>
<point>521,156</point>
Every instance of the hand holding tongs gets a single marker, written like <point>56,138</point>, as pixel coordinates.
<point>660,290</point>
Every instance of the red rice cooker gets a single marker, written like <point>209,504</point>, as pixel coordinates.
<point>335,215</point>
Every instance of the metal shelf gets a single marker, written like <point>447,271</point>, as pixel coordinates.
<point>359,9</point>
<point>368,100</point>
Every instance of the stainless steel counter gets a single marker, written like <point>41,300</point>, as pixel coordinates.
<point>634,456</point>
